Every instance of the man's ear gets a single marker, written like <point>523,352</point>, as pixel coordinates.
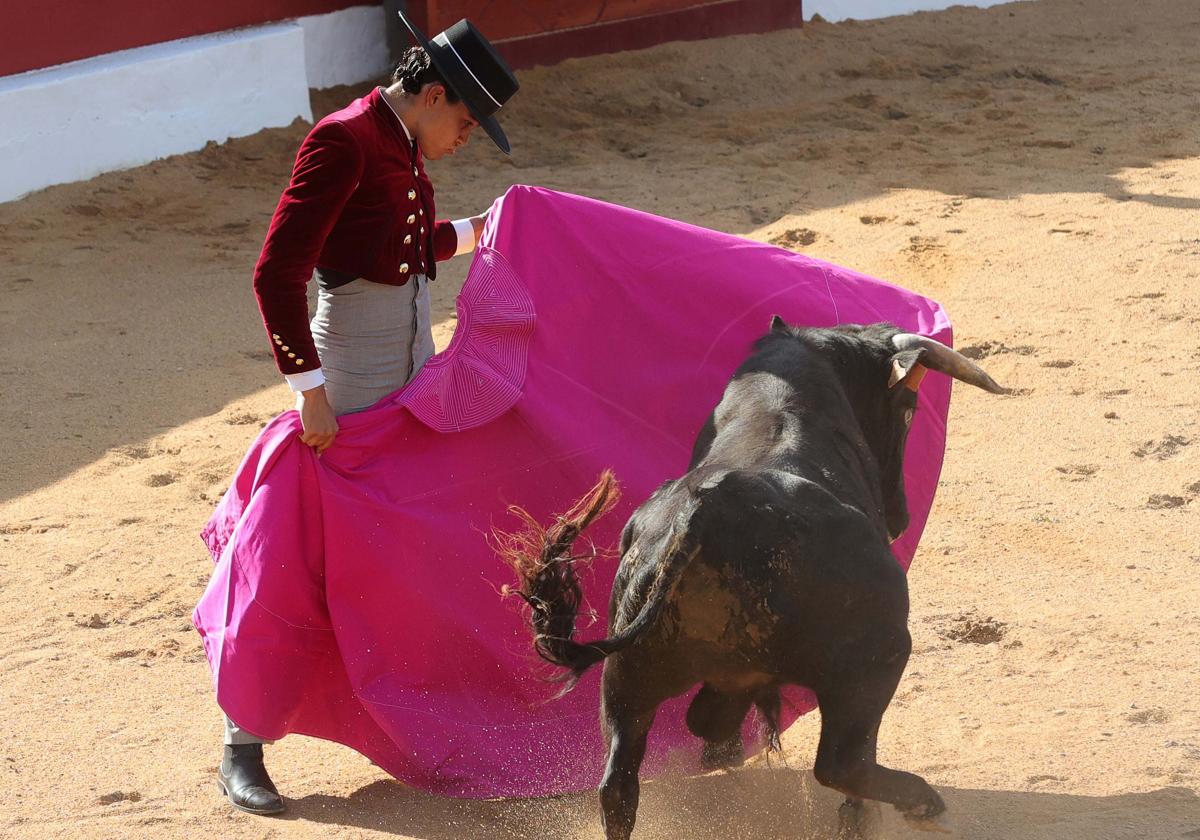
<point>434,93</point>
<point>907,368</point>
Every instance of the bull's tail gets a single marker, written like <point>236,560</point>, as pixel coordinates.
<point>548,583</point>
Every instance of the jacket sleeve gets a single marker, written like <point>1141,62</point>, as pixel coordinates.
<point>445,240</point>
<point>328,167</point>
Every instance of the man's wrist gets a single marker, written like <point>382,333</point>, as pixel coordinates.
<point>306,381</point>
<point>465,230</point>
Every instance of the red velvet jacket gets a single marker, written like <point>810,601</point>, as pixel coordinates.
<point>359,203</point>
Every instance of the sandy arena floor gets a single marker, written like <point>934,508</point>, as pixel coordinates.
<point>1035,167</point>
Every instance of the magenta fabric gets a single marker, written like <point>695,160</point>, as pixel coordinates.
<point>355,596</point>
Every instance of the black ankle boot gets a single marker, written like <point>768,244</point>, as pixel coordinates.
<point>243,778</point>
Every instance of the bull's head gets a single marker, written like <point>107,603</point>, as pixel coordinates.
<point>912,355</point>
<point>881,368</point>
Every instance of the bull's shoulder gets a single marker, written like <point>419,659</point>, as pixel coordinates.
<point>781,502</point>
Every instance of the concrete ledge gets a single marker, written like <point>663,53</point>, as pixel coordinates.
<point>346,47</point>
<point>835,10</point>
<point>74,121</point>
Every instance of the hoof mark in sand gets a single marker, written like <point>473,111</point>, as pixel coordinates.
<point>992,348</point>
<point>161,479</point>
<point>972,630</point>
<point>1033,74</point>
<point>1148,716</point>
<point>875,220</point>
<point>796,238</point>
<point>862,100</point>
<point>1163,501</point>
<point>1045,777</point>
<point>96,622</point>
<point>1058,363</point>
<point>166,649</point>
<point>1163,449</point>
<point>918,245</point>
<point>245,418</point>
<point>29,528</point>
<point>945,71</point>
<point>1078,472</point>
<point>119,796</point>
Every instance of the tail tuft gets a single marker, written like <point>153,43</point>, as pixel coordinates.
<point>547,580</point>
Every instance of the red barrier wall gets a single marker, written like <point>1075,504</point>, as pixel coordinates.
<point>517,18</point>
<point>530,32</point>
<point>41,33</point>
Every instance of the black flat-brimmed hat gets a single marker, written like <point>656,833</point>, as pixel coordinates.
<point>473,69</point>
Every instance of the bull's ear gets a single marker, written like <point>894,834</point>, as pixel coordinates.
<point>907,368</point>
<point>779,325</point>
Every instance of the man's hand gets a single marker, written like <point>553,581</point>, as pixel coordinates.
<point>318,419</point>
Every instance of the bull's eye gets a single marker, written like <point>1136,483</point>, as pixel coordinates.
<point>908,416</point>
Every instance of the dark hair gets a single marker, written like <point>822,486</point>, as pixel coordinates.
<point>415,70</point>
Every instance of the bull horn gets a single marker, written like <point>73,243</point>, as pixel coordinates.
<point>941,358</point>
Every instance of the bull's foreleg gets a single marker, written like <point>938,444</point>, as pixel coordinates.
<point>850,716</point>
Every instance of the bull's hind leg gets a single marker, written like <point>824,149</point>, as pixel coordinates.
<point>851,711</point>
<point>630,696</point>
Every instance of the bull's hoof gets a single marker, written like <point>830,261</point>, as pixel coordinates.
<point>923,816</point>
<point>723,755</point>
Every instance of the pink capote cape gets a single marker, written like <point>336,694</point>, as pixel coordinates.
<point>355,596</point>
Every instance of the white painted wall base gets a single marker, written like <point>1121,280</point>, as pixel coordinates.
<point>835,10</point>
<point>346,47</point>
<point>74,121</point>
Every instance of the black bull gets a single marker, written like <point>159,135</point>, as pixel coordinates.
<point>767,563</point>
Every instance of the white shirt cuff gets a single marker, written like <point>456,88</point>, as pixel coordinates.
<point>466,236</point>
<point>307,379</point>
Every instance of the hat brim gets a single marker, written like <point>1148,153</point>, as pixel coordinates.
<point>451,74</point>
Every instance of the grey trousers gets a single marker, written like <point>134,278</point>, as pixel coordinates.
<point>371,339</point>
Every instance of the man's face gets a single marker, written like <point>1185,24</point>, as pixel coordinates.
<point>446,126</point>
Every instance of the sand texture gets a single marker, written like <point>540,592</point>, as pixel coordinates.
<point>1034,167</point>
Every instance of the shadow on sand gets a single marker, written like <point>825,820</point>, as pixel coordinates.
<point>757,804</point>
